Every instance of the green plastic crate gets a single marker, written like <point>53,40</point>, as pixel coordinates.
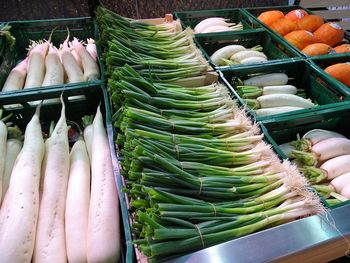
<point>284,129</point>
<point>236,15</point>
<point>303,76</point>
<point>82,28</point>
<point>320,63</point>
<point>272,46</point>
<point>76,108</point>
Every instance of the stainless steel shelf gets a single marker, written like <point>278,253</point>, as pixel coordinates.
<point>311,239</point>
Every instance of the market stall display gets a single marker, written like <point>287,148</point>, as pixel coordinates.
<point>222,131</point>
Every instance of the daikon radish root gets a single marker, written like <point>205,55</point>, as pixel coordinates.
<point>253,60</point>
<point>340,182</point>
<point>77,203</point>
<point>87,123</point>
<point>13,147</point>
<point>222,28</point>
<point>209,22</point>
<point>270,79</point>
<point>225,53</point>
<point>346,191</point>
<point>75,55</point>
<point>54,69</point>
<point>280,100</point>
<point>71,67</point>
<point>90,66</point>
<point>336,166</point>
<point>276,110</point>
<point>20,208</point>
<point>318,135</point>
<point>15,80</point>
<point>103,226</point>
<point>241,55</point>
<point>91,48</point>
<point>282,89</point>
<point>331,148</point>
<point>36,65</point>
<point>50,245</point>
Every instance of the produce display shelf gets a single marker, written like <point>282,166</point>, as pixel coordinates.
<point>254,12</point>
<point>302,74</point>
<point>273,48</point>
<point>236,15</point>
<point>310,239</point>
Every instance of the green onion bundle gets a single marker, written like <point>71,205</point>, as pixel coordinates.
<point>157,51</point>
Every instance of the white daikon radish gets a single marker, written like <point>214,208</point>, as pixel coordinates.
<point>91,48</point>
<point>13,147</point>
<point>281,100</point>
<point>90,66</point>
<point>20,208</point>
<point>50,245</point>
<point>271,79</point>
<point>15,80</point>
<point>346,191</point>
<point>276,110</point>
<point>76,56</point>
<point>225,53</point>
<point>282,89</point>
<point>211,21</point>
<point>36,65</point>
<point>331,148</point>
<point>241,55</point>
<point>337,166</point>
<point>340,182</point>
<point>103,226</point>
<point>253,60</point>
<point>71,67</point>
<point>54,69</point>
<point>77,203</point>
<point>317,135</point>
